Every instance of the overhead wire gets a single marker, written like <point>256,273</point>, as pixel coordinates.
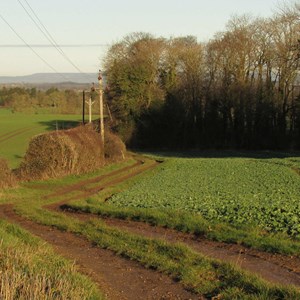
<point>42,28</point>
<point>36,53</point>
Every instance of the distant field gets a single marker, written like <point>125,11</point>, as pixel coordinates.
<point>16,129</point>
<point>263,191</point>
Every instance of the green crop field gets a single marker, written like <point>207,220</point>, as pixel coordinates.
<point>237,190</point>
<point>204,276</point>
<point>16,129</point>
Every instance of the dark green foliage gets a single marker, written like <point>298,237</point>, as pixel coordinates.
<point>240,90</point>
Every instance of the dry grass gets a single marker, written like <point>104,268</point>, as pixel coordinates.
<point>30,270</point>
<point>7,179</point>
<point>60,153</point>
<point>20,281</point>
<point>64,152</point>
<point>115,149</point>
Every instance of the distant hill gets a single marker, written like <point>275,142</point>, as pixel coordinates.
<point>50,78</point>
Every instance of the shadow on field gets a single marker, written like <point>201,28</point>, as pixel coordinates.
<point>228,154</point>
<point>59,124</point>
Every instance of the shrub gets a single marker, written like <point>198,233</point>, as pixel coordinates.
<point>60,153</point>
<point>71,151</point>
<point>7,178</point>
<point>114,149</point>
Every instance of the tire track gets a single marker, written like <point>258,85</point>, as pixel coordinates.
<point>15,133</point>
<point>12,132</point>
<point>118,278</point>
<point>86,192</point>
<point>81,184</point>
<point>275,268</point>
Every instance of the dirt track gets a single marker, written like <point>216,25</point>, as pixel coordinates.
<point>117,277</point>
<point>123,279</point>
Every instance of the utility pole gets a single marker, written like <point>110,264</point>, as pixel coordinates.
<point>90,103</point>
<point>101,107</point>
<point>83,106</point>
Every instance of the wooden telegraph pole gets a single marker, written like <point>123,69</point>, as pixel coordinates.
<point>83,106</point>
<point>101,107</point>
<point>90,104</point>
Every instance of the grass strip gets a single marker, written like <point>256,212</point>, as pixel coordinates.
<point>30,270</point>
<point>192,223</point>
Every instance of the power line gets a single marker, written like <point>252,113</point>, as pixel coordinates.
<point>42,28</point>
<point>51,46</point>
<point>41,58</point>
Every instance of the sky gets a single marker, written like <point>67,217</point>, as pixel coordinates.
<point>85,29</point>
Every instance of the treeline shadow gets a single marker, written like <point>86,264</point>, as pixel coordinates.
<point>224,154</point>
<point>52,125</point>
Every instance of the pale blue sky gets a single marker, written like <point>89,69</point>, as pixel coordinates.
<point>103,22</point>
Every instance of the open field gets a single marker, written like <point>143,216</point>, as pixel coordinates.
<point>188,259</point>
<point>261,191</point>
<point>16,129</point>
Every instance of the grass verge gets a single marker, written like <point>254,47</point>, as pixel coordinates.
<point>30,270</point>
<point>252,237</point>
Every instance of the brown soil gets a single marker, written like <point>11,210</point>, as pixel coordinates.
<point>265,264</point>
<point>80,185</point>
<point>124,279</point>
<point>117,277</point>
<point>274,268</point>
<point>86,192</point>
<point>297,170</point>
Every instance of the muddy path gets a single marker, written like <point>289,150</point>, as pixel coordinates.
<point>118,278</point>
<point>275,268</point>
<point>80,186</point>
<point>114,178</point>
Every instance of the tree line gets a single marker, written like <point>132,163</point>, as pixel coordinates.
<point>32,100</point>
<point>239,90</point>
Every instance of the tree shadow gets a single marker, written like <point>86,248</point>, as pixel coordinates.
<point>226,154</point>
<point>53,125</point>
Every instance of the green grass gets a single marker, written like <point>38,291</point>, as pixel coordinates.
<point>198,273</point>
<point>30,270</point>
<point>251,237</point>
<point>14,148</point>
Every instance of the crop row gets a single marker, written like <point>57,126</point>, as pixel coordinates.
<point>262,192</point>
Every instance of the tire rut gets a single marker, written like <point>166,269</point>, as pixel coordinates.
<point>117,277</point>
<point>14,133</point>
<point>275,268</point>
<point>124,279</point>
